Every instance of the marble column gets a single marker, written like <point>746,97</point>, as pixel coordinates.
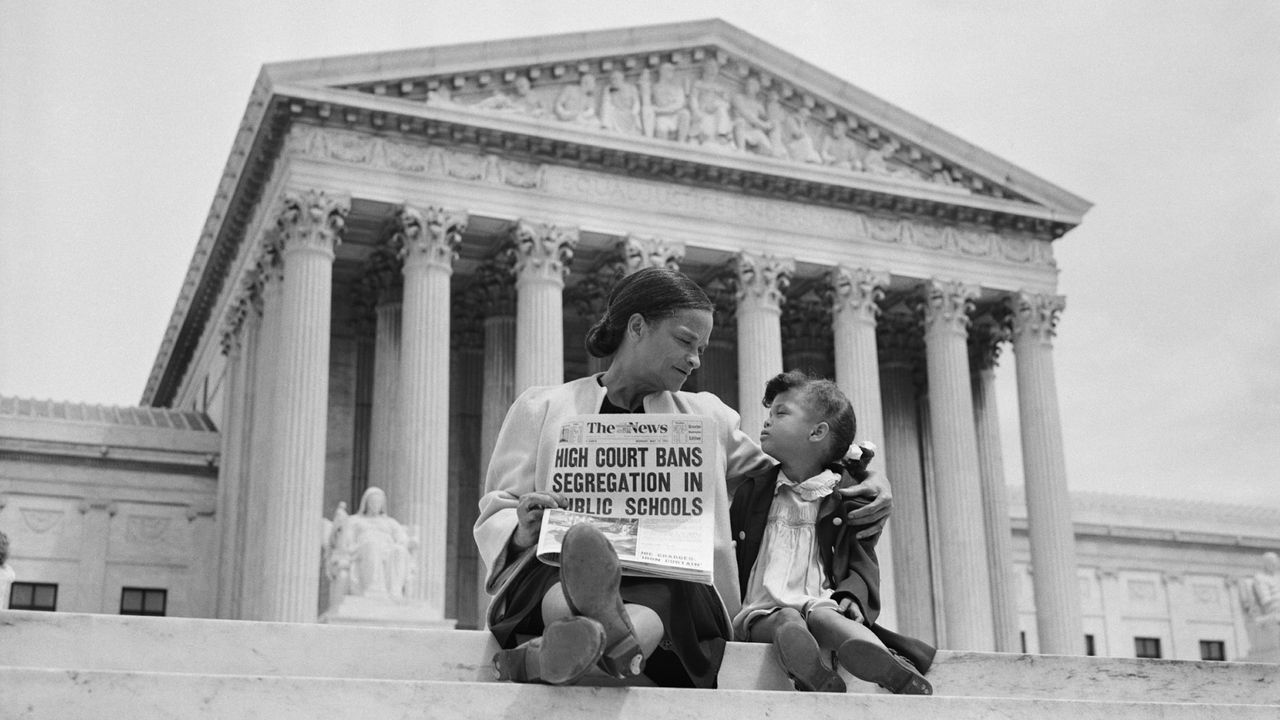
<point>89,589</point>
<point>807,342</point>
<point>966,584</point>
<point>984,350</point>
<point>383,436</point>
<point>856,294</point>
<point>261,432</point>
<point>1114,606</point>
<point>310,227</point>
<point>429,244</point>
<point>494,288</point>
<point>542,256</point>
<point>900,347</point>
<point>719,372</point>
<point>231,467</point>
<point>466,387</point>
<point>1053,554</point>
<point>761,282</point>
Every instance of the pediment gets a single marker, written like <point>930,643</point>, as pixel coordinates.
<point>703,90</point>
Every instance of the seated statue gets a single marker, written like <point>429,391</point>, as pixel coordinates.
<point>369,551</point>
<point>7,575</point>
<point>524,101</point>
<point>1260,594</point>
<point>665,111</point>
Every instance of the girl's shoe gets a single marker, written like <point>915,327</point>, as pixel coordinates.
<point>590,577</point>
<point>875,664</point>
<point>564,653</point>
<point>802,659</point>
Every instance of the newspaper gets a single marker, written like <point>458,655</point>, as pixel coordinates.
<point>642,480</point>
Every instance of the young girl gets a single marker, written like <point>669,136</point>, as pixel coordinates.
<point>807,579</point>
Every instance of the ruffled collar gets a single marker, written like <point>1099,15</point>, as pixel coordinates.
<point>815,488</point>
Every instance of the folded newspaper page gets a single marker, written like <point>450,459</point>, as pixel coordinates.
<point>642,480</point>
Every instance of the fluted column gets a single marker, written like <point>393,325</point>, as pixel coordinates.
<point>719,372</point>
<point>237,346</point>
<point>984,346</point>
<point>966,584</point>
<point>856,294</point>
<point>900,349</point>
<point>761,282</point>
<point>383,433</point>
<point>494,289</point>
<point>542,256</point>
<point>1053,553</point>
<point>429,243</point>
<point>261,435</point>
<point>310,227</point>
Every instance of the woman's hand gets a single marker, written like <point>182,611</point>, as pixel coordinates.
<point>850,609</point>
<point>875,492</point>
<point>529,517</point>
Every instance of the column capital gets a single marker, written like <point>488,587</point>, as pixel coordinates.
<point>639,251</point>
<point>312,220</point>
<point>857,291</point>
<point>945,305</point>
<point>1035,316</point>
<point>763,277</point>
<point>379,283</point>
<point>987,335</point>
<point>430,237</point>
<point>543,251</point>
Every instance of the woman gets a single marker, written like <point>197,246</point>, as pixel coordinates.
<point>656,326</point>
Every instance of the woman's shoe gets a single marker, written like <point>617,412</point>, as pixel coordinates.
<point>590,577</point>
<point>918,652</point>
<point>564,653</point>
<point>802,659</point>
<point>875,664</point>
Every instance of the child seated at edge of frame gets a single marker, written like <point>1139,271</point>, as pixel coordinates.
<point>809,583</point>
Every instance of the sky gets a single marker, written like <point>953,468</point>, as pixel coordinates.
<point>117,117</point>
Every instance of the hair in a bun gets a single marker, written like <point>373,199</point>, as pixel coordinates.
<point>653,292</point>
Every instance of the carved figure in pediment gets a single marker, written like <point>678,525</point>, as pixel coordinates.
<point>751,124</point>
<point>668,114</point>
<point>876,162</point>
<point>799,142</point>
<point>440,95</point>
<point>620,107</point>
<point>709,102</point>
<point>777,114</point>
<point>839,150</point>
<point>577,103</point>
<point>524,101</point>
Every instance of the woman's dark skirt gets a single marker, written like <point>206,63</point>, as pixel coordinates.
<point>696,630</point>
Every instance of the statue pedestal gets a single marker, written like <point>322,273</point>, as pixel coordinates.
<point>1264,641</point>
<point>385,612</point>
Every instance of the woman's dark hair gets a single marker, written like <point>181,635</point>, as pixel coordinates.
<point>823,399</point>
<point>655,293</point>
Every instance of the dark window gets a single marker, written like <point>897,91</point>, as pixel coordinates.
<point>33,596</point>
<point>143,601</point>
<point>1145,647</point>
<point>1089,647</point>
<point>1022,637</point>
<point>1213,650</point>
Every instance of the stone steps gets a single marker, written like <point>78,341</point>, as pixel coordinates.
<point>78,665</point>
<point>35,694</point>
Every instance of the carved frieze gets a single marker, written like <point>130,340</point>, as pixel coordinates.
<point>146,529</point>
<point>39,520</point>
<point>669,197</point>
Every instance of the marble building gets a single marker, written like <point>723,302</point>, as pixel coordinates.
<point>402,242</point>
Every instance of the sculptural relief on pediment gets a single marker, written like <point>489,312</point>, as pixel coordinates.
<point>700,97</point>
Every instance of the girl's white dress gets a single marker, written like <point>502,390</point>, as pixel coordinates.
<point>788,570</point>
